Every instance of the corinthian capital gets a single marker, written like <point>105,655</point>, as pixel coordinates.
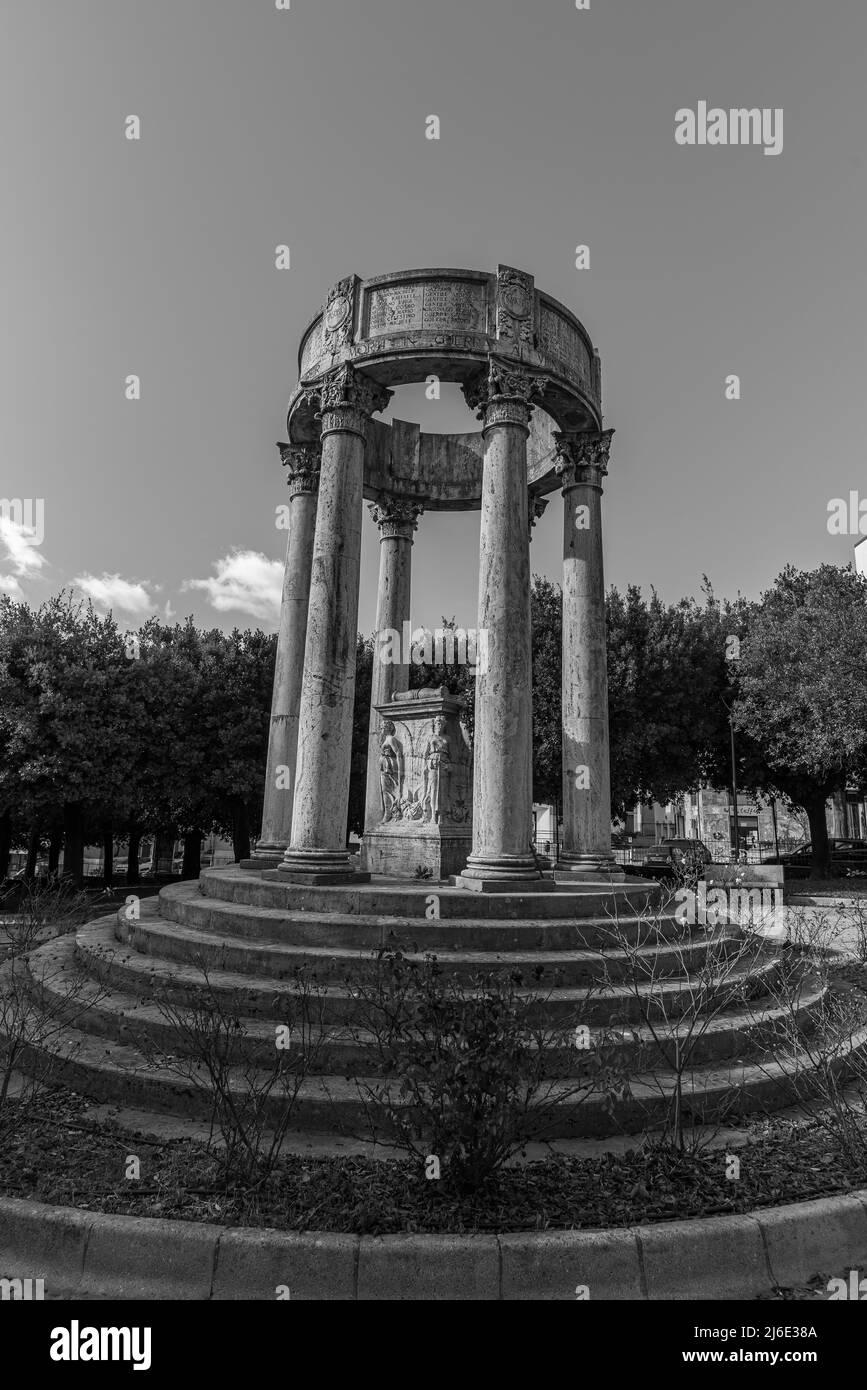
<point>396,516</point>
<point>582,456</point>
<point>302,462</point>
<point>348,388</point>
<point>501,396</point>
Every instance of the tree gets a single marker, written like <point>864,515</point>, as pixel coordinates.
<point>360,728</point>
<point>667,685</point>
<point>802,690</point>
<point>64,724</point>
<point>546,606</point>
<point>237,680</point>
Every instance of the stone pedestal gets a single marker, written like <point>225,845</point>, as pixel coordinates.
<point>302,462</point>
<point>423,815</point>
<point>318,849</point>
<point>585,846</point>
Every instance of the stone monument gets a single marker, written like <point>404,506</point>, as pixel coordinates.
<point>424,778</point>
<point>529,370</point>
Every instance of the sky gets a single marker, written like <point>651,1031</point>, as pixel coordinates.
<point>306,127</point>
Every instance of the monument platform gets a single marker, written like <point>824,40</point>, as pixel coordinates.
<point>244,936</point>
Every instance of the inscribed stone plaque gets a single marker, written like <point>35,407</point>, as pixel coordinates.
<point>453,304</point>
<point>393,307</point>
<point>562,341</point>
<point>312,350</point>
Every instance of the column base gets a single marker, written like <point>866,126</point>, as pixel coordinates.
<point>320,866</point>
<point>265,856</point>
<point>593,868</point>
<point>501,875</point>
<point>503,885</point>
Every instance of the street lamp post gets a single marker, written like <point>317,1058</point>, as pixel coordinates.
<point>735,791</point>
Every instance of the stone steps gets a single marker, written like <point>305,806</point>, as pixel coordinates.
<point>240,938</point>
<point>183,903</point>
<point>336,1105</point>
<point>152,935</point>
<point>390,898</point>
<point>132,1017</point>
<point>120,965</point>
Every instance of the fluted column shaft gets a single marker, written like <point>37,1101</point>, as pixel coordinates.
<point>347,398</point>
<point>502,746</point>
<point>397,520</point>
<point>302,462</point>
<point>582,460</point>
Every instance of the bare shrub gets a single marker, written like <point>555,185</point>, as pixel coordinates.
<point>679,978</point>
<point>251,1097</point>
<point>32,1020</point>
<point>468,1074</point>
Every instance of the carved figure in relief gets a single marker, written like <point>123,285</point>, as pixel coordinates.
<point>413,807</point>
<point>390,771</point>
<point>437,760</point>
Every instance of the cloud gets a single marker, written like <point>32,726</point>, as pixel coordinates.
<point>245,582</point>
<point>19,543</point>
<point>9,585</point>
<point>110,592</point>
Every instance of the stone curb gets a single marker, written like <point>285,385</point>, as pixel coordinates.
<point>84,1254</point>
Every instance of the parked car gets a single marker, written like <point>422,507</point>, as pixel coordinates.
<point>672,858</point>
<point>847,857</point>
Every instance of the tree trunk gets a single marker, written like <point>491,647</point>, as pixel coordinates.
<point>133,873</point>
<point>32,854</point>
<point>192,865</point>
<point>108,854</point>
<point>164,847</point>
<point>820,862</point>
<point>55,844</point>
<point>73,842</point>
<point>5,843</point>
<point>838,803</point>
<point>240,829</point>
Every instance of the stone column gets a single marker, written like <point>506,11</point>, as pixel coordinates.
<point>347,399</point>
<point>397,519</point>
<point>585,849</point>
<point>302,461</point>
<point>503,753</point>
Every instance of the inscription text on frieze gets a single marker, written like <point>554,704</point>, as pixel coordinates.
<point>442,305</point>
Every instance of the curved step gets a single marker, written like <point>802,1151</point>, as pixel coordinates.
<point>393,898</point>
<point>120,965</point>
<point>183,903</point>
<point>335,1105</point>
<point>153,935</point>
<point>110,1012</point>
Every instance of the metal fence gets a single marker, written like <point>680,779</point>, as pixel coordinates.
<point>637,854</point>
